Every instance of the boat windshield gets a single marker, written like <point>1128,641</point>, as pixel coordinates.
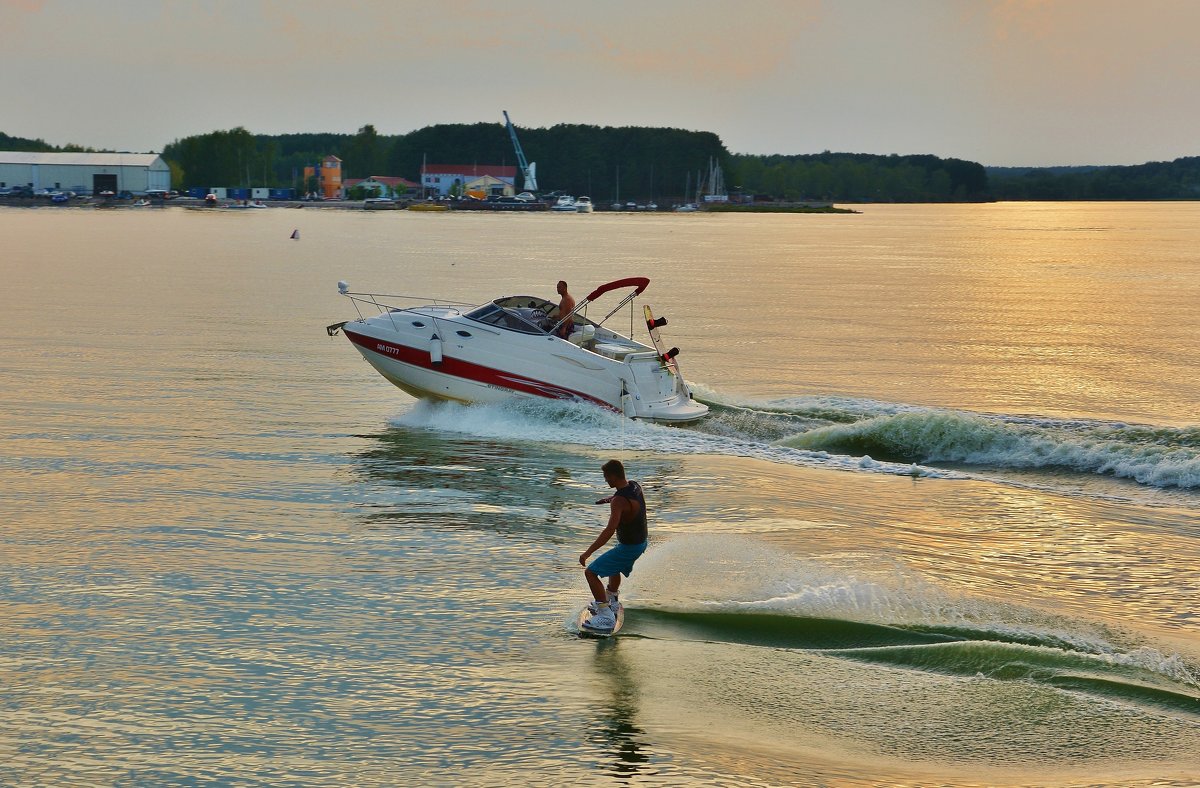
<point>512,319</point>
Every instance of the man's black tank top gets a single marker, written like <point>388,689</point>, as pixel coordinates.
<point>634,531</point>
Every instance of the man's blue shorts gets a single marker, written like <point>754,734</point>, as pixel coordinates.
<point>619,559</point>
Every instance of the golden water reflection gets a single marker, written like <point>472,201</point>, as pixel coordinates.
<point>223,558</point>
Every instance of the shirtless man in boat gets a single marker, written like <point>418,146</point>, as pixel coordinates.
<point>565,307</point>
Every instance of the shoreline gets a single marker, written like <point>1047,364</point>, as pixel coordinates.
<point>360,205</point>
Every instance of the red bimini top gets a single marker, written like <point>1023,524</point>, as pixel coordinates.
<point>640,282</point>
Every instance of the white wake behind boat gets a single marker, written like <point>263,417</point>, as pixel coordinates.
<point>510,347</point>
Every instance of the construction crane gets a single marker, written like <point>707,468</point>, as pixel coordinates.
<point>528,168</point>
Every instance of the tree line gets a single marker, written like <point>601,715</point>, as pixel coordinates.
<point>863,177</point>
<point>27,145</point>
<point>644,163</point>
<point>605,162</point>
<point>1156,180</point>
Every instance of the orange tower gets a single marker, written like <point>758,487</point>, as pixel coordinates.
<point>329,179</point>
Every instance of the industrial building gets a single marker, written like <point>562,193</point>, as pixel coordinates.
<point>442,179</point>
<point>85,173</point>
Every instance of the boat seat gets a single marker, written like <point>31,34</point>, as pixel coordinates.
<point>582,335</point>
<point>613,351</point>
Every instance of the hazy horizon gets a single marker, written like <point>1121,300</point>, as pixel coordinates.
<point>1006,83</point>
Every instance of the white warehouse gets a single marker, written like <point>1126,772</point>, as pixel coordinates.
<point>85,173</point>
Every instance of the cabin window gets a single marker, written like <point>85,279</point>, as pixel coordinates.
<point>494,315</point>
<point>481,313</point>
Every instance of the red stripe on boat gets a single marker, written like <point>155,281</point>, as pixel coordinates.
<point>469,371</point>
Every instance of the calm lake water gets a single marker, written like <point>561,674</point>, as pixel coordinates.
<point>943,526</point>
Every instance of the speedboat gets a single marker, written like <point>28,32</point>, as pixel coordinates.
<point>565,204</point>
<point>512,347</point>
<point>584,205</point>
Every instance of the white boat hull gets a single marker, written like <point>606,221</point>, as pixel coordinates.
<point>437,353</point>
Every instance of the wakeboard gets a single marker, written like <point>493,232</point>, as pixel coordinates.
<point>584,615</point>
<point>667,356</point>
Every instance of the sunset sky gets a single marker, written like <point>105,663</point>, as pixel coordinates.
<point>1002,82</point>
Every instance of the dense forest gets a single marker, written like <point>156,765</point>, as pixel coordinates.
<point>1156,180</point>
<point>862,177</point>
<point>607,163</point>
<point>38,146</point>
<point>643,163</point>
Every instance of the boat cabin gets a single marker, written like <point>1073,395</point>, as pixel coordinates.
<point>534,315</point>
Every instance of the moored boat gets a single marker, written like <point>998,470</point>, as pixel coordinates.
<point>523,202</point>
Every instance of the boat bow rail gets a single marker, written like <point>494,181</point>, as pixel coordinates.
<point>380,301</point>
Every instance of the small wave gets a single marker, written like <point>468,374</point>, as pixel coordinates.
<point>889,616</point>
<point>758,579</point>
<point>856,435</point>
<point>819,408</point>
<point>556,421</point>
<point>1156,456</point>
<point>779,631</point>
<point>1147,678</point>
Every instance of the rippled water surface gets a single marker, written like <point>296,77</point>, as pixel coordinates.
<point>942,527</point>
